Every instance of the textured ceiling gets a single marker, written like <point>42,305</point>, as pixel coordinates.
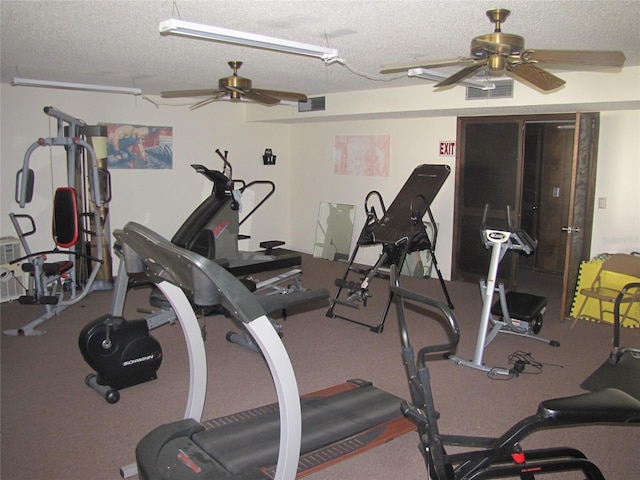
<point>117,42</point>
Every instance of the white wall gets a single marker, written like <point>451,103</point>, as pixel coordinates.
<point>160,199</point>
<point>413,142</point>
<point>415,118</point>
<point>616,229</point>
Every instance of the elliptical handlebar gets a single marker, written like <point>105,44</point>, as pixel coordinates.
<point>224,184</point>
<point>227,165</point>
<point>452,323</point>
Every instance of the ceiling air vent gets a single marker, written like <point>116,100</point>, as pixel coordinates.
<point>312,105</point>
<point>504,89</point>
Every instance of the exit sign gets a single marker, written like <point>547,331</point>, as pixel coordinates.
<point>447,149</point>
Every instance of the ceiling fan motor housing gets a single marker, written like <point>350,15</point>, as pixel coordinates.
<point>232,84</point>
<point>502,43</point>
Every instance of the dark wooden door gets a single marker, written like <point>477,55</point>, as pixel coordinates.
<point>488,172</point>
<point>580,218</point>
<point>557,210</point>
<point>546,192</point>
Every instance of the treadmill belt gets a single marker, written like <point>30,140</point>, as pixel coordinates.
<point>334,426</point>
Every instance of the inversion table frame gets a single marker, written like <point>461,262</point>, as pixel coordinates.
<point>400,231</point>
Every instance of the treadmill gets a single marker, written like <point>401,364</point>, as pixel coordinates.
<point>285,440</point>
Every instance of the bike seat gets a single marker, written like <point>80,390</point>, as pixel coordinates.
<point>609,406</point>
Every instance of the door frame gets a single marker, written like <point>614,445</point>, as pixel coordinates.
<point>584,162</point>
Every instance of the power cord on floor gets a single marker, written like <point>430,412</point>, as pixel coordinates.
<point>520,363</point>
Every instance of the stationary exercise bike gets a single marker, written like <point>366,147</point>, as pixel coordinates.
<point>515,313</point>
<point>502,456</point>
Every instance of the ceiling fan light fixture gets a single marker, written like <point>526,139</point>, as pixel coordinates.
<point>218,34</point>
<point>436,76</point>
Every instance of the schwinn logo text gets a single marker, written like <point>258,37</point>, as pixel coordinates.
<point>146,358</point>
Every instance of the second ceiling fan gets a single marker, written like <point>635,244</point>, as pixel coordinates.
<point>500,53</point>
<point>236,88</point>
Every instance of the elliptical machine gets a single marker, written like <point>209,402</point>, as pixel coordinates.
<point>124,353</point>
<point>503,456</point>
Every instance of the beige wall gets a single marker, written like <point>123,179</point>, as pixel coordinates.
<point>415,117</point>
<point>160,199</point>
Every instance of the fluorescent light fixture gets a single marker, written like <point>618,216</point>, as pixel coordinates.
<point>178,27</point>
<point>27,82</point>
<point>438,76</point>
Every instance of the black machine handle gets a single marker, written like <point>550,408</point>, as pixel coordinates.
<point>509,217</point>
<point>371,212</point>
<point>28,193</point>
<point>107,185</point>
<point>31,221</point>
<point>452,323</point>
<point>415,213</point>
<point>616,311</point>
<point>266,197</point>
<point>226,162</point>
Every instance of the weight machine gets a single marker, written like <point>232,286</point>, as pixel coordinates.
<point>515,313</point>
<point>80,223</point>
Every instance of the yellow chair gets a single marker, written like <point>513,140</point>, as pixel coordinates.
<point>605,291</point>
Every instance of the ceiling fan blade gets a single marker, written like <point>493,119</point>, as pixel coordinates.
<point>205,102</point>
<point>443,62</point>
<point>205,92</point>
<point>293,96</point>
<point>531,73</point>
<point>256,96</point>
<point>461,74</point>
<point>604,58</point>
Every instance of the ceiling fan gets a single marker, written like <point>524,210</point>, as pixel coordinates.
<point>500,53</point>
<point>236,88</point>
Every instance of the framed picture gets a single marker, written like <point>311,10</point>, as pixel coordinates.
<point>139,146</point>
<point>362,155</point>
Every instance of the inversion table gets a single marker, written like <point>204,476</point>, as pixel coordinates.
<point>400,231</point>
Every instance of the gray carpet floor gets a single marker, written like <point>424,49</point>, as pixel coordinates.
<point>55,428</point>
